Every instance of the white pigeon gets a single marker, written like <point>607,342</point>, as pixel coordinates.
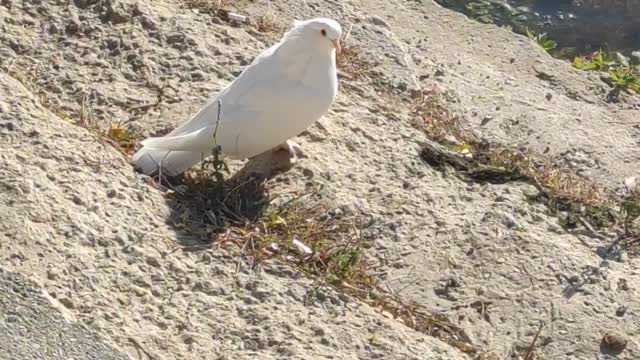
<point>281,93</point>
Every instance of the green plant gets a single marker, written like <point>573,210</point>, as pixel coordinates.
<point>123,137</point>
<point>599,60</point>
<point>542,40</point>
<point>217,163</point>
<point>626,77</point>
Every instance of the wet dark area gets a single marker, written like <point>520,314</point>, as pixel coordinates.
<point>579,27</point>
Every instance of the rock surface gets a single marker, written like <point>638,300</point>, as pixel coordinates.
<point>32,328</point>
<point>77,219</point>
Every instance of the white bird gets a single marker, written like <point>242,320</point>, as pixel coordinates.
<point>281,93</point>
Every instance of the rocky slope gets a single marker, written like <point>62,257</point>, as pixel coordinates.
<point>95,236</point>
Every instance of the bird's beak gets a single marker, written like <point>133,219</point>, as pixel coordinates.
<point>337,45</point>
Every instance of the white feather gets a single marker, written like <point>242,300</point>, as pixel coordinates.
<point>281,93</point>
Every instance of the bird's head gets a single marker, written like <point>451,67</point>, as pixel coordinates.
<point>321,32</point>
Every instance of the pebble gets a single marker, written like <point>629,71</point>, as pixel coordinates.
<point>376,20</point>
<point>621,310</point>
<point>78,200</point>
<point>112,193</point>
<point>67,302</point>
<point>53,274</point>
<point>153,261</point>
<point>614,342</point>
<point>318,331</point>
<point>121,237</point>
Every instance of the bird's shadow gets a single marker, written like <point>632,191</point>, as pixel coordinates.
<point>202,207</point>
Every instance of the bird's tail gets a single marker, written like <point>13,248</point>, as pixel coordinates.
<point>173,163</point>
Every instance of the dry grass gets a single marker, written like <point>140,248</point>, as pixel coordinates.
<point>325,245</point>
<point>124,138</point>
<point>120,136</point>
<point>351,62</point>
<point>484,161</point>
<point>269,24</point>
<point>330,248</point>
<point>581,201</point>
<point>431,114</point>
<point>213,7</point>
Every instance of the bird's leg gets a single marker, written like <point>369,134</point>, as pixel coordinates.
<point>294,150</point>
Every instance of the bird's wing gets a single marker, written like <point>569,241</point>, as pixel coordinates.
<point>262,70</point>
<point>190,141</point>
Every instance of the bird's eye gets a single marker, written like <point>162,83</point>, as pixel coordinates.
<point>324,32</point>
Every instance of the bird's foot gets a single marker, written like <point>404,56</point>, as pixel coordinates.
<point>294,150</point>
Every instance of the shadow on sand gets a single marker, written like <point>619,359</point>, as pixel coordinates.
<point>201,208</point>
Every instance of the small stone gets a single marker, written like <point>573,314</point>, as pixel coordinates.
<point>68,303</point>
<point>78,200</point>
<point>635,57</point>
<point>318,331</point>
<point>188,338</point>
<point>622,59</point>
<point>621,310</point>
<point>613,342</point>
<point>336,212</point>
<point>153,261</point>
<point>631,183</point>
<point>308,173</point>
<point>53,274</point>
<point>198,76</point>
<point>121,237</point>
<point>376,20</point>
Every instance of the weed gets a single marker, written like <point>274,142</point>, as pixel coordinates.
<point>350,60</point>
<point>431,115</point>
<point>599,60</point>
<point>631,210</point>
<point>626,77</point>
<point>542,40</point>
<point>269,24</point>
<point>330,248</point>
<point>484,161</point>
<point>621,76</point>
<point>124,137</point>
<point>218,8</point>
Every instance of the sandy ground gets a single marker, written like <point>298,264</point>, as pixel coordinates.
<point>94,236</point>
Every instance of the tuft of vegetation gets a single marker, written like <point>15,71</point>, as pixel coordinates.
<point>329,247</point>
<point>350,61</point>
<point>578,200</point>
<point>626,78</point>
<point>542,40</point>
<point>216,7</point>
<point>269,24</point>
<point>313,239</point>
<point>621,75</point>
<point>123,137</point>
<point>120,136</point>
<point>599,60</point>
<point>301,233</point>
